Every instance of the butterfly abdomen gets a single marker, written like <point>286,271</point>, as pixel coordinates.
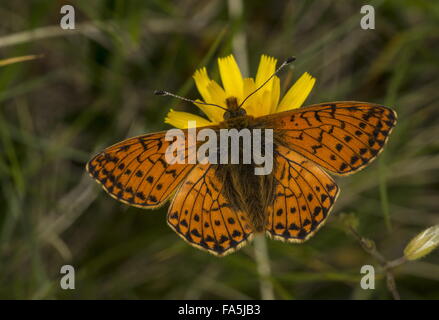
<point>247,192</point>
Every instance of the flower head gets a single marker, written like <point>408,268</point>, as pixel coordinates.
<point>263,102</point>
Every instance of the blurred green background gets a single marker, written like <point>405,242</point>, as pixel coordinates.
<point>94,87</point>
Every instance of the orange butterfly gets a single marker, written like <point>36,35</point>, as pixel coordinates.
<point>218,207</point>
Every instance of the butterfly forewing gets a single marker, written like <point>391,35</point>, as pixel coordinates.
<point>341,137</point>
<point>135,171</point>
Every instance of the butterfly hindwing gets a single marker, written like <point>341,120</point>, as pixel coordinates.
<point>303,198</point>
<point>342,137</point>
<point>136,172</point>
<point>202,216</point>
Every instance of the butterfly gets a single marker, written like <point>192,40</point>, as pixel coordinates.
<point>219,207</point>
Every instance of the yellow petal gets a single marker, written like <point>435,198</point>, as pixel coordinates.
<point>214,114</point>
<point>251,104</point>
<point>297,94</point>
<point>217,94</point>
<point>202,82</point>
<point>180,119</point>
<point>211,92</point>
<point>275,94</point>
<point>231,77</point>
<point>265,103</point>
<point>267,66</point>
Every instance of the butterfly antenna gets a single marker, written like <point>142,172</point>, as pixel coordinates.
<point>283,65</point>
<point>166,93</point>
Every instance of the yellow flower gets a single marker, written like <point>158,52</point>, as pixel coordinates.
<point>263,102</point>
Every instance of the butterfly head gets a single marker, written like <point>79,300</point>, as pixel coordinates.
<point>233,109</point>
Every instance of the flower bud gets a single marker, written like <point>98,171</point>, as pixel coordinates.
<point>422,244</point>
<point>349,221</point>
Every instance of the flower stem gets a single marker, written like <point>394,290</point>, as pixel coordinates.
<point>370,247</point>
<point>263,267</point>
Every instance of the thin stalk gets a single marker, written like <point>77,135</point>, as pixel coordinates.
<point>263,267</point>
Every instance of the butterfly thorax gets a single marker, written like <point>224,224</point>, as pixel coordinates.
<point>235,116</point>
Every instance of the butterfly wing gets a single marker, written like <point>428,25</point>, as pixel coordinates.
<point>303,198</point>
<point>202,216</point>
<point>342,137</point>
<point>135,171</point>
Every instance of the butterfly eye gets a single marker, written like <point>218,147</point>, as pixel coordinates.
<point>227,115</point>
<point>242,112</point>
